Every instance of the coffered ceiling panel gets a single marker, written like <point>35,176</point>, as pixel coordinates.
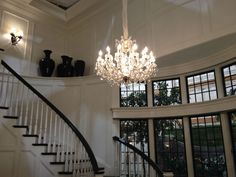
<point>64,4</point>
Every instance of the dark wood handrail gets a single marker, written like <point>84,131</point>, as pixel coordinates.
<point>144,156</point>
<point>91,155</point>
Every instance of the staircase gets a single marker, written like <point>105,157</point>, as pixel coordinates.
<point>45,128</point>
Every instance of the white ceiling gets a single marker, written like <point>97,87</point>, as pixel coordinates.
<point>64,4</point>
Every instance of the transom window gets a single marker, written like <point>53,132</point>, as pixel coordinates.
<point>229,74</point>
<point>166,92</point>
<point>201,87</point>
<point>133,95</point>
<point>208,146</point>
<point>170,146</point>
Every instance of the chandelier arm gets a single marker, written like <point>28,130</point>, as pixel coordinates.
<point>125,19</point>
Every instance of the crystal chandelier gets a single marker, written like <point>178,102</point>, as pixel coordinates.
<point>127,65</point>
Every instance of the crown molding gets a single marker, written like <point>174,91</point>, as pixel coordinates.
<point>215,106</point>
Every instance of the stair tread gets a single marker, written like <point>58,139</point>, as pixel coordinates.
<point>65,172</point>
<point>10,117</point>
<point>27,135</point>
<point>3,107</point>
<point>49,153</point>
<point>39,144</point>
<point>20,126</point>
<point>57,163</point>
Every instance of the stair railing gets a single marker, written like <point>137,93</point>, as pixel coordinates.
<point>134,162</point>
<point>46,122</point>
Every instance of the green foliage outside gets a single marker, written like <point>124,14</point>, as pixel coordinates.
<point>135,99</point>
<point>163,98</point>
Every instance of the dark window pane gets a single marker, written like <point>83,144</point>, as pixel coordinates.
<point>166,92</point>
<point>233,131</point>
<point>133,95</point>
<point>170,146</point>
<point>208,147</point>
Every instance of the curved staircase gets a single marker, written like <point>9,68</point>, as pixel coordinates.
<point>44,128</point>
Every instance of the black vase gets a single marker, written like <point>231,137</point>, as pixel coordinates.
<point>79,67</point>
<point>46,65</point>
<point>65,69</point>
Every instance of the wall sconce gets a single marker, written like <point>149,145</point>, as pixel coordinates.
<point>15,38</point>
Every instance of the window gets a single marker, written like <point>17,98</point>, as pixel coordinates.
<point>201,87</point>
<point>166,92</point>
<point>133,95</point>
<point>233,132</point>
<point>134,132</point>
<point>170,146</point>
<point>207,146</point>
<point>229,74</point>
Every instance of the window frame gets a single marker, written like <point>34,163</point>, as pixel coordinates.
<point>161,80</point>
<point>223,77</point>
<point>155,138</point>
<point>196,74</point>
<point>192,145</point>
<point>146,96</point>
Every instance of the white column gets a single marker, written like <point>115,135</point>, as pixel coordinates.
<point>183,88</point>
<point>227,144</point>
<point>219,82</point>
<point>149,94</point>
<point>115,97</point>
<point>116,146</point>
<point>189,156</point>
<point>151,143</point>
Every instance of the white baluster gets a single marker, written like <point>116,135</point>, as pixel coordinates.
<point>66,149</point>
<point>78,158</point>
<point>41,124</point>
<point>63,143</point>
<point>21,106</point>
<point>7,90</point>
<point>75,156</point>
<point>46,126</point>
<point>55,135</point>
<point>27,106</point>
<point>11,96</point>
<point>31,115</point>
<point>36,118</point>
<point>2,84</point>
<point>72,160</point>
<point>50,133</point>
<point>13,101</point>
<point>18,91</point>
<point>59,141</point>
